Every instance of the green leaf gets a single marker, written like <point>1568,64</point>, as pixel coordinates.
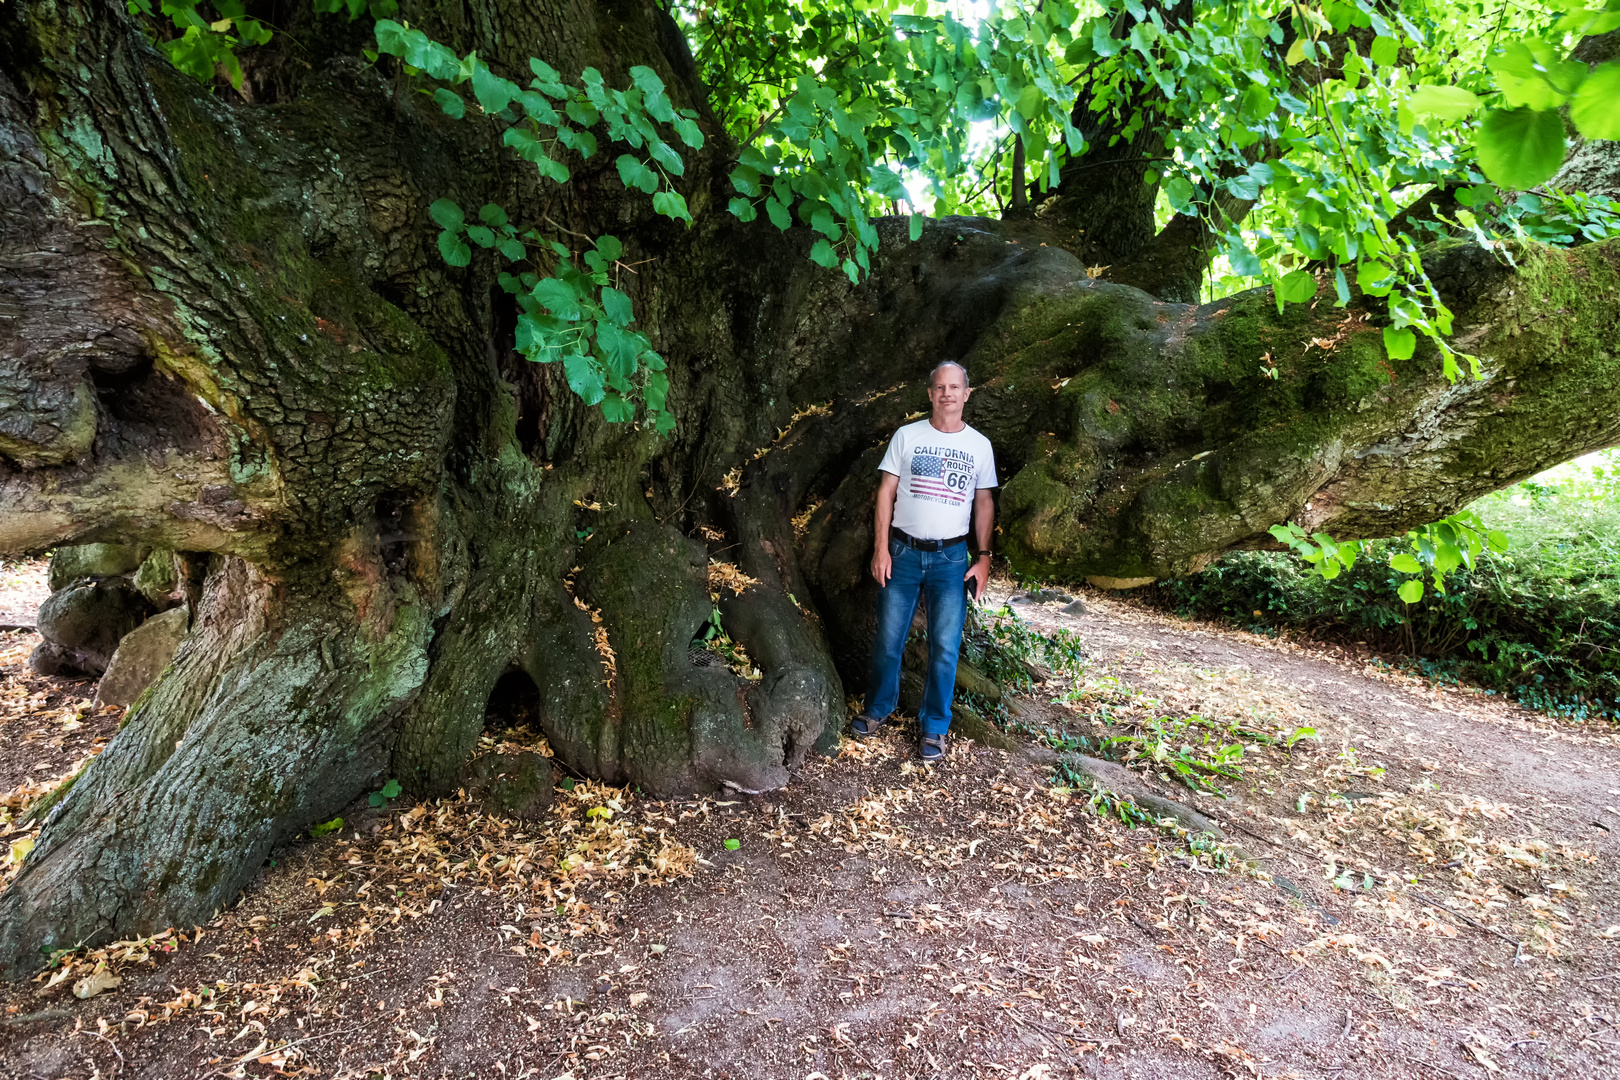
<point>557,297</point>
<point>609,247</point>
<point>1296,287</point>
<point>1497,540</point>
<point>1442,102</point>
<point>1384,51</point>
<point>672,205</point>
<point>1399,342</point>
<point>512,249</point>
<point>778,214</point>
<point>584,378</point>
<point>689,132</point>
<point>616,409</point>
<point>1405,563</point>
<point>1596,108</point>
<point>390,37</point>
<point>1374,277</point>
<point>447,214</point>
<point>547,79</point>
<point>1243,260</point>
<point>1180,193</point>
<point>733,845</point>
<point>745,179</point>
<point>666,156</point>
<point>453,249</point>
<point>450,102</point>
<point>823,222</point>
<point>391,790</point>
<point>915,227</point>
<point>1411,591</point>
<point>493,92</point>
<point>582,113</point>
<point>481,236</point>
<point>617,306</point>
<point>1031,102</point>
<point>742,209</point>
<point>1520,148</point>
<point>635,174</point>
<point>821,253</point>
<point>1525,80</point>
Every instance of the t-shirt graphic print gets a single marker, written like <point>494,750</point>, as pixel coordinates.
<point>939,471</point>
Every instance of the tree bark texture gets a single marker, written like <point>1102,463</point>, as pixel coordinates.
<point>225,331</point>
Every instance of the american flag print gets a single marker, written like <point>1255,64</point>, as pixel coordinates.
<point>935,477</point>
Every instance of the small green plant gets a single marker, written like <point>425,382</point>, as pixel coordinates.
<point>1204,847</point>
<point>714,638</point>
<point>388,791</point>
<point>320,830</point>
<point>733,844</point>
<point>1008,650</point>
<point>1194,757</point>
<point>1297,734</point>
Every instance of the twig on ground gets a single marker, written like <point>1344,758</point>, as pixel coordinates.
<point>109,1042</point>
<point>1476,924</point>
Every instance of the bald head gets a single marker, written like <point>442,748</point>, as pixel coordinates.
<point>947,365</point>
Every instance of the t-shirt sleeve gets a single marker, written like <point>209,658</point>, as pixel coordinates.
<point>892,456</point>
<point>987,470</point>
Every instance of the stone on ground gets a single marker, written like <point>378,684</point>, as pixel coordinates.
<point>142,656</point>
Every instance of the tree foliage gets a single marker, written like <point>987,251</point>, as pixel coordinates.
<point>1297,132</point>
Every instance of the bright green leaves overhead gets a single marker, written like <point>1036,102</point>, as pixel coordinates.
<point>1520,148</point>
<point>1399,342</point>
<point>1596,106</point>
<point>205,45</point>
<point>833,100</point>
<point>1519,138</point>
<point>547,116</point>
<point>1295,287</point>
<point>1442,102</point>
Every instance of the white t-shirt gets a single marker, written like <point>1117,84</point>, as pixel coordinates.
<point>939,471</point>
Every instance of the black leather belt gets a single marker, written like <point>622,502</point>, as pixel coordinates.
<point>926,545</point>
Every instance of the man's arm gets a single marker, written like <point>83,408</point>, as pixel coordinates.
<point>882,565</point>
<point>984,520</point>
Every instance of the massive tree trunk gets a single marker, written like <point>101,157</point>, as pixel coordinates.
<point>225,332</point>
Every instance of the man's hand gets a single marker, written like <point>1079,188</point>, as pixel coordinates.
<point>978,576</point>
<point>882,562</point>
<point>882,566</point>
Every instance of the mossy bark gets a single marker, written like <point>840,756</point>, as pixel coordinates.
<point>267,369</point>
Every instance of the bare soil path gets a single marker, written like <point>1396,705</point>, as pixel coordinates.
<point>1432,894</point>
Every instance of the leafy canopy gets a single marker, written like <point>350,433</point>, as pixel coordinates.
<point>1297,132</point>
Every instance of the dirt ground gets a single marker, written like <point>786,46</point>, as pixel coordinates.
<point>1424,888</point>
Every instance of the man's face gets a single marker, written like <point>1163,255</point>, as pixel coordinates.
<point>949,392</point>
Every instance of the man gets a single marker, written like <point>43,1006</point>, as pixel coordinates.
<point>936,474</point>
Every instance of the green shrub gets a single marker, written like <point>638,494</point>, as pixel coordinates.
<point>1540,622</point>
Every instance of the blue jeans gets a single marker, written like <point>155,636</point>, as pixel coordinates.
<point>937,575</point>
